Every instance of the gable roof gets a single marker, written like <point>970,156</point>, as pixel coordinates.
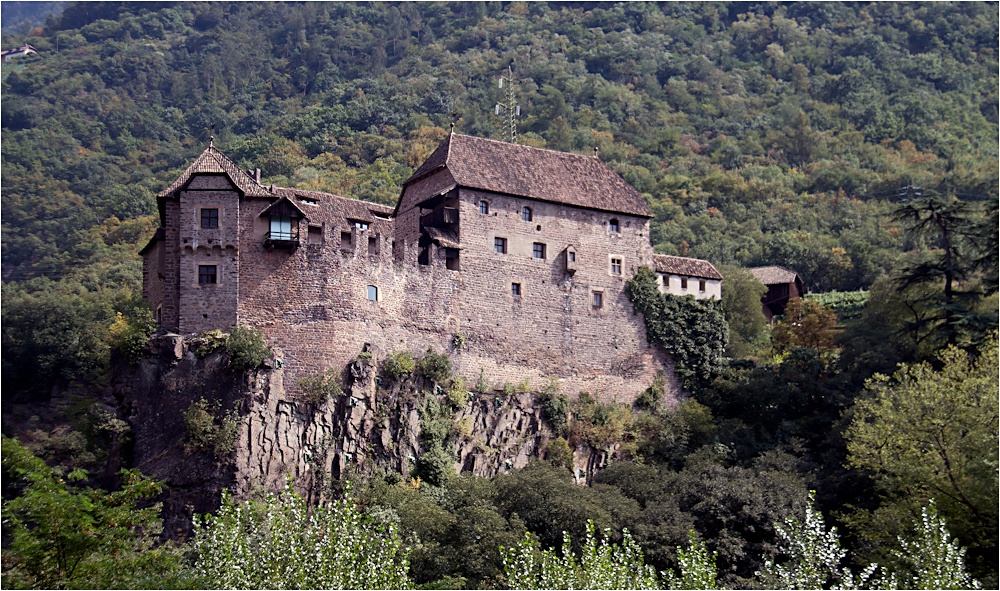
<point>774,275</point>
<point>684,266</point>
<point>523,171</point>
<point>331,208</point>
<point>212,161</point>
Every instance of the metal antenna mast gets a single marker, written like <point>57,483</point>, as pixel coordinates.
<point>509,108</point>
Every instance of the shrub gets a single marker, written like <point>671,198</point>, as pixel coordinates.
<point>457,394</point>
<point>247,349</point>
<point>651,398</point>
<point>435,367</point>
<point>205,433</point>
<point>555,406</point>
<point>319,388</point>
<point>208,342</point>
<point>399,364</point>
<point>558,453</point>
<point>130,333</point>
<point>482,386</point>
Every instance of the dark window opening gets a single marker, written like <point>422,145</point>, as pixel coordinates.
<point>159,314</point>
<point>684,282</point>
<point>345,240</point>
<point>451,258</point>
<point>210,218</point>
<point>372,293</point>
<point>526,214</point>
<point>484,208</point>
<point>616,266</point>
<point>500,245</point>
<point>315,235</point>
<point>701,285</point>
<point>572,256</point>
<point>613,225</point>
<point>515,289</point>
<point>538,250</point>
<point>598,299</point>
<point>207,274</point>
<point>372,245</point>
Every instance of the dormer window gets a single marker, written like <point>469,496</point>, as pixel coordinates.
<point>484,208</point>
<point>614,226</point>
<point>284,219</point>
<point>526,214</point>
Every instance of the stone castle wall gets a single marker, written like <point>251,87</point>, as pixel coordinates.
<point>312,302</point>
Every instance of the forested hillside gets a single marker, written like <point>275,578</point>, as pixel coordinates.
<point>853,142</point>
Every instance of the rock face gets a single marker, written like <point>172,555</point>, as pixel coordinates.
<point>375,425</point>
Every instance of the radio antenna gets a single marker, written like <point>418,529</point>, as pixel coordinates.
<point>508,108</point>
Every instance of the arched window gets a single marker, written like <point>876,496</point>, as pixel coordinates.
<point>484,207</point>
<point>613,225</point>
<point>526,214</point>
<point>373,293</point>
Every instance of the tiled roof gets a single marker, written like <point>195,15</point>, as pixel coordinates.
<point>774,275</point>
<point>213,161</point>
<point>685,266</point>
<point>442,237</point>
<point>336,211</point>
<point>546,175</point>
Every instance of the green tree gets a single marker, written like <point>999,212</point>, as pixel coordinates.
<point>806,323</point>
<point>62,536</point>
<point>741,294</point>
<point>932,433</point>
<point>279,543</point>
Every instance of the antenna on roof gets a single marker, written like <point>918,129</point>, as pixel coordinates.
<point>509,107</point>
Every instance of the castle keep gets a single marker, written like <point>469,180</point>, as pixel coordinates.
<point>510,258</point>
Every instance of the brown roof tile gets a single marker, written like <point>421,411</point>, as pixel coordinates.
<point>213,161</point>
<point>546,175</point>
<point>335,210</point>
<point>685,266</point>
<point>774,275</point>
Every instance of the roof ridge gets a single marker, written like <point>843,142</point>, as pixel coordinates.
<point>554,151</point>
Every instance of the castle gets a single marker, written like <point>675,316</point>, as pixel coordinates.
<point>510,258</point>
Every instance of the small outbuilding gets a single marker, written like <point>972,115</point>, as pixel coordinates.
<point>782,285</point>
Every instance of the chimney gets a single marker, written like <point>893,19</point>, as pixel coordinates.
<point>256,175</point>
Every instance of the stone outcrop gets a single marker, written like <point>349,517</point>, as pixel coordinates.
<point>281,437</point>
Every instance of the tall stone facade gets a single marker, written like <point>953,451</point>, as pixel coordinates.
<point>511,259</point>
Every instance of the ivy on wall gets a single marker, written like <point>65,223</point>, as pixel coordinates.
<point>694,332</point>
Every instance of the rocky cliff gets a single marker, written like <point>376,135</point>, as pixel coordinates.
<point>200,426</point>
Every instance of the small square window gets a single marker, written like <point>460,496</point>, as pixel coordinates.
<point>538,250</point>
<point>500,245</point>
<point>515,289</point>
<point>613,226</point>
<point>361,225</point>
<point>207,274</point>
<point>345,240</point>
<point>526,214</point>
<point>209,218</point>
<point>701,285</point>
<point>372,293</point>
<point>684,282</point>
<point>484,208</point>
<point>315,235</point>
<point>572,256</point>
<point>616,266</point>
<point>598,299</point>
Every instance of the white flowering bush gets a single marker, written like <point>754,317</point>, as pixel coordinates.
<point>602,565</point>
<point>696,567</point>
<point>932,559</point>
<point>278,543</point>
